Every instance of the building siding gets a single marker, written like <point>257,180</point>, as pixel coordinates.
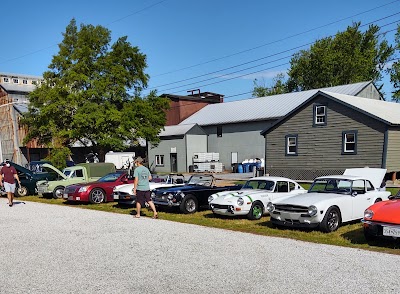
<point>370,92</point>
<point>164,148</point>
<point>393,151</point>
<point>320,148</point>
<point>243,138</point>
<point>194,143</point>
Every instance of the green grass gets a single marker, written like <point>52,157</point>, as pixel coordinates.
<point>350,235</point>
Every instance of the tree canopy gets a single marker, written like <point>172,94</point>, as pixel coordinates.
<point>395,69</point>
<point>85,96</point>
<point>349,57</point>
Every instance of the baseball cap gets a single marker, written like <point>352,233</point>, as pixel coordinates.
<point>139,159</point>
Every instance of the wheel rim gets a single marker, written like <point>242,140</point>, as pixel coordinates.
<point>190,205</point>
<point>333,220</point>
<point>97,196</point>
<point>257,211</point>
<point>22,191</point>
<point>59,193</point>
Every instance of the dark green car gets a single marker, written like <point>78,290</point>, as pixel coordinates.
<point>29,178</point>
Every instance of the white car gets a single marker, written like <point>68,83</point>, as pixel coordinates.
<point>123,194</point>
<point>252,198</point>
<point>331,200</point>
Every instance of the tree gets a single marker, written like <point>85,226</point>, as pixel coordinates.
<point>395,70</point>
<point>279,87</point>
<point>85,94</point>
<point>350,57</point>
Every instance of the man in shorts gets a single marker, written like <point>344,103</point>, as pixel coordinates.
<point>141,187</point>
<point>8,175</point>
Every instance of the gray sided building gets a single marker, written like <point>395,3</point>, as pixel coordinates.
<point>176,148</point>
<point>330,132</point>
<point>234,128</point>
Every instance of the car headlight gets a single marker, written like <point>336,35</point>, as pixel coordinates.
<point>210,198</point>
<point>240,201</point>
<point>83,189</point>
<point>368,213</point>
<point>153,195</point>
<point>312,210</point>
<point>170,196</point>
<point>270,207</point>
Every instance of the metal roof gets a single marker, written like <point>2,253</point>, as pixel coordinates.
<point>264,108</point>
<point>176,130</point>
<point>9,87</point>
<point>21,76</point>
<point>382,110</point>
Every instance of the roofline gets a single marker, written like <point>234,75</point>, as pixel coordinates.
<point>279,122</point>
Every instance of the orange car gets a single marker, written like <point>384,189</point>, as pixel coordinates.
<point>382,219</point>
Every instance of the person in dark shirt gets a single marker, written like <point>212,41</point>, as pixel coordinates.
<point>8,176</point>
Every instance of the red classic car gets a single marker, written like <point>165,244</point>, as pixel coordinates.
<point>382,219</point>
<point>99,191</point>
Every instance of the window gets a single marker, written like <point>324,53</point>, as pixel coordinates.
<point>282,187</point>
<point>25,82</point>
<point>349,142</point>
<point>358,186</point>
<point>159,160</point>
<point>15,81</point>
<point>291,144</point>
<point>6,80</point>
<point>219,131</point>
<point>319,115</point>
<point>369,186</point>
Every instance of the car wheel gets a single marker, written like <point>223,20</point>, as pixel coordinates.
<point>256,211</point>
<point>97,196</point>
<point>368,235</point>
<point>331,221</point>
<point>58,192</point>
<point>189,204</point>
<point>21,191</point>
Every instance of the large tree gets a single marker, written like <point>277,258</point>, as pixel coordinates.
<point>85,94</point>
<point>349,57</point>
<point>279,87</point>
<point>395,70</point>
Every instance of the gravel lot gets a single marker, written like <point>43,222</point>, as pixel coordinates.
<point>56,249</point>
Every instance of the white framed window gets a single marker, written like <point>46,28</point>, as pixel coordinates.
<point>6,80</point>
<point>291,144</point>
<point>349,142</point>
<point>15,81</point>
<point>319,115</point>
<point>25,82</point>
<point>159,160</point>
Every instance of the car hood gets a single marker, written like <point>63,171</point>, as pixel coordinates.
<point>228,195</point>
<point>55,169</point>
<point>375,175</point>
<point>387,211</point>
<point>308,199</point>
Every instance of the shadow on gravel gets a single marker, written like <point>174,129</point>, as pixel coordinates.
<point>357,237</point>
<point>227,217</point>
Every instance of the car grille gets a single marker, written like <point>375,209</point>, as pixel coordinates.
<point>69,190</point>
<point>291,208</point>
<point>219,206</point>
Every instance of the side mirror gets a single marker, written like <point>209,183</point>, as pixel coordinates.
<point>354,194</point>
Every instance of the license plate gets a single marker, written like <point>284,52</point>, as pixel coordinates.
<point>116,196</point>
<point>65,196</point>
<point>392,232</point>
<point>70,197</point>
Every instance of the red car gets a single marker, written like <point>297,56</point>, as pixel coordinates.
<point>99,191</point>
<point>382,219</point>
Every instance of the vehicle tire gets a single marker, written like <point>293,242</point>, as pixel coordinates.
<point>97,196</point>
<point>256,211</point>
<point>331,221</point>
<point>58,192</point>
<point>189,204</point>
<point>368,236</point>
<point>21,191</point>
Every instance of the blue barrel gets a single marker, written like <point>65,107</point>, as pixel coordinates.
<point>240,168</point>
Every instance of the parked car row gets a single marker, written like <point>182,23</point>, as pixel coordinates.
<point>330,202</point>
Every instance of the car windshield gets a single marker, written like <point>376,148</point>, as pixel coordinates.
<point>259,184</point>
<point>201,180</point>
<point>109,177</point>
<point>331,186</point>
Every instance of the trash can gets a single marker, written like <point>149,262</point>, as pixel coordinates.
<point>234,167</point>
<point>260,172</point>
<point>246,167</point>
<point>240,168</point>
<point>191,168</point>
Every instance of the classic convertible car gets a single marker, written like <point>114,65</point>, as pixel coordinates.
<point>98,191</point>
<point>192,195</point>
<point>331,200</point>
<point>253,197</point>
<point>382,219</point>
<point>123,194</point>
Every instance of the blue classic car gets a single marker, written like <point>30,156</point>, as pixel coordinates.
<point>190,197</point>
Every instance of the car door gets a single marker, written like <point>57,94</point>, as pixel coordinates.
<point>360,201</point>
<point>282,189</point>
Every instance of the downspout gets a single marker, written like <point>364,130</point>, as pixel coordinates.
<point>385,146</point>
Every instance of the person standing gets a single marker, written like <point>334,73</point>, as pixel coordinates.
<point>8,176</point>
<point>141,187</point>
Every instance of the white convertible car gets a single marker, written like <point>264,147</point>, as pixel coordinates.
<point>331,200</point>
<point>252,198</point>
<point>123,194</point>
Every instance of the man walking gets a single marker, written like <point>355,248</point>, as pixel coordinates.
<point>8,175</point>
<point>141,187</point>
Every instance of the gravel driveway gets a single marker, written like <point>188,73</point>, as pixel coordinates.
<point>56,249</point>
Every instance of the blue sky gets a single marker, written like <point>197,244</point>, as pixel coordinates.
<point>215,46</point>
